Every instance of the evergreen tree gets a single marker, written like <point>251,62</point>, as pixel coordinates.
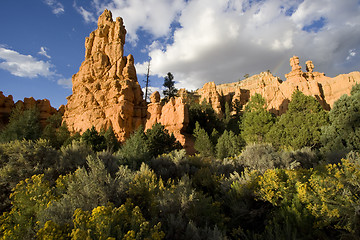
<point>135,150</point>
<point>23,124</point>
<point>256,121</point>
<point>227,116</point>
<point>228,145</point>
<point>112,144</point>
<point>56,132</point>
<point>94,139</point>
<point>206,116</point>
<point>169,83</point>
<point>160,141</point>
<point>301,125</point>
<point>343,133</point>
<point>202,143</point>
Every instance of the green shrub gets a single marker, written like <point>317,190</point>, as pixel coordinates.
<point>301,125</point>
<point>264,156</point>
<point>73,156</point>
<point>22,125</point>
<point>159,140</point>
<point>135,150</point>
<point>343,133</point>
<point>228,145</point>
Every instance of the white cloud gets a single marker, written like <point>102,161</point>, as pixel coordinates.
<point>24,65</point>
<point>221,40</point>
<point>151,90</point>
<point>43,52</point>
<point>352,53</point>
<point>65,82</point>
<point>57,7</point>
<point>87,15</point>
<point>153,16</point>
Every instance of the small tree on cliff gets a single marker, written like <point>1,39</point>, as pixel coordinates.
<point>169,83</point>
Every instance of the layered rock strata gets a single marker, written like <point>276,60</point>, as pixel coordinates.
<point>105,90</point>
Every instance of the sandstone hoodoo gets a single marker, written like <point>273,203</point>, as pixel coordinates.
<point>105,90</point>
<point>173,115</point>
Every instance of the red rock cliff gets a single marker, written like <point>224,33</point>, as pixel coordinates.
<point>278,93</point>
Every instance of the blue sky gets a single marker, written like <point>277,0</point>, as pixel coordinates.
<point>42,41</point>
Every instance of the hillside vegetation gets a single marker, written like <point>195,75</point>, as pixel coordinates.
<point>255,176</point>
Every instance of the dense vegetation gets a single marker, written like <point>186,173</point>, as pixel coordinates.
<point>256,176</point>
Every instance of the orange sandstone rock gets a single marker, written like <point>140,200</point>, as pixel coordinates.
<point>7,105</point>
<point>105,90</point>
<point>210,94</point>
<point>278,93</point>
<point>173,115</point>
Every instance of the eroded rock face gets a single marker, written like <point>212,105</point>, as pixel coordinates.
<point>173,115</point>
<point>43,105</point>
<point>278,93</point>
<point>7,105</point>
<point>105,90</point>
<point>210,94</point>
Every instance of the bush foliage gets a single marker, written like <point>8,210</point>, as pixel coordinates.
<point>257,184</point>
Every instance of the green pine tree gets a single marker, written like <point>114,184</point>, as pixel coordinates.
<point>202,143</point>
<point>256,121</point>
<point>169,84</point>
<point>301,125</point>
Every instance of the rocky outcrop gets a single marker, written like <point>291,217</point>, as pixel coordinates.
<point>43,105</point>
<point>210,94</point>
<point>278,93</point>
<point>173,115</point>
<point>7,105</point>
<point>105,90</point>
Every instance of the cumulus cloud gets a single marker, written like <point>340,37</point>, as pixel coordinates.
<point>221,40</point>
<point>65,82</point>
<point>57,7</point>
<point>43,51</point>
<point>24,65</point>
<point>153,16</point>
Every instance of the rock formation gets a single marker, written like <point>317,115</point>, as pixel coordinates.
<point>173,115</point>
<point>278,93</point>
<point>209,93</point>
<point>7,105</point>
<point>105,90</point>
